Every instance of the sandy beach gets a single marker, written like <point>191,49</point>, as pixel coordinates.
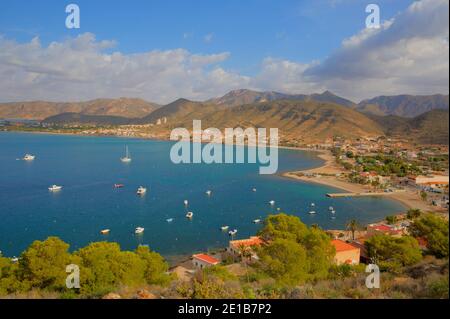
<point>327,175</point>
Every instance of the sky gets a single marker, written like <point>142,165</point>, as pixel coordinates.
<point>163,50</point>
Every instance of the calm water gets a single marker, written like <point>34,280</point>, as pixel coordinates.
<point>87,167</point>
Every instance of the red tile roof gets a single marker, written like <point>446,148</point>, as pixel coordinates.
<point>384,228</point>
<point>206,258</point>
<point>342,245</point>
<point>252,241</point>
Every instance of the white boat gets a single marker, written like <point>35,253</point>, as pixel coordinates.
<point>333,212</point>
<point>169,220</point>
<point>141,190</point>
<point>105,231</point>
<point>139,230</point>
<point>313,205</point>
<point>127,157</point>
<point>186,202</point>
<point>330,208</point>
<point>55,188</point>
<point>257,221</point>
<point>232,232</point>
<point>189,215</point>
<point>272,202</point>
<point>208,192</point>
<point>312,212</point>
<point>224,228</point>
<point>29,157</point>
<point>254,189</point>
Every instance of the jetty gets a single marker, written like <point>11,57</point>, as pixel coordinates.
<point>340,195</point>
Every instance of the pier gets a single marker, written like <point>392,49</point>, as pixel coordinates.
<point>340,195</point>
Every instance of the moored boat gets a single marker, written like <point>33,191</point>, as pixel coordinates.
<point>55,188</point>
<point>141,190</point>
<point>139,230</point>
<point>29,157</point>
<point>127,157</point>
<point>105,231</point>
<point>232,232</point>
<point>224,228</point>
<point>190,215</point>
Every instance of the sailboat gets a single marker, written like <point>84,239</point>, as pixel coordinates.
<point>127,157</point>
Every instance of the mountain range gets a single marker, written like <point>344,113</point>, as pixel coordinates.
<point>301,117</point>
<point>39,110</point>
<point>403,105</point>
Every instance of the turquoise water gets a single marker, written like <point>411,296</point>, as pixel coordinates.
<point>88,167</point>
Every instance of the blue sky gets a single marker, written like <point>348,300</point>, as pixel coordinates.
<point>250,32</point>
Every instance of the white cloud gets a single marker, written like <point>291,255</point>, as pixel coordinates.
<point>79,69</point>
<point>408,54</point>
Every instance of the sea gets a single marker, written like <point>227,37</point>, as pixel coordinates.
<point>88,167</point>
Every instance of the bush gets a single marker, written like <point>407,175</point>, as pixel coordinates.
<point>435,230</point>
<point>393,253</point>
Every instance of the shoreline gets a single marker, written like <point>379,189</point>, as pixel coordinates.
<point>409,199</point>
<point>158,139</point>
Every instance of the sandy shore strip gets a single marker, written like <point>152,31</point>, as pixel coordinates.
<point>327,175</point>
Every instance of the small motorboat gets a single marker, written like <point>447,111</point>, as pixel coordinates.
<point>169,220</point>
<point>312,212</point>
<point>208,192</point>
<point>190,215</point>
<point>119,185</point>
<point>55,188</point>
<point>232,232</point>
<point>272,202</point>
<point>278,209</point>
<point>105,231</point>
<point>224,228</point>
<point>254,190</point>
<point>313,205</point>
<point>141,190</point>
<point>186,202</point>
<point>256,221</point>
<point>330,208</point>
<point>333,212</point>
<point>139,230</point>
<point>29,157</point>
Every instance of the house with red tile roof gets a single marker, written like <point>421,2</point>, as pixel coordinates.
<point>383,229</point>
<point>345,253</point>
<point>236,247</point>
<point>203,260</point>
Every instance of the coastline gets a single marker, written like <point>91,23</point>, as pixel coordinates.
<point>330,169</point>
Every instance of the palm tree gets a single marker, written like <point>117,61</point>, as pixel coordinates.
<point>353,227</point>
